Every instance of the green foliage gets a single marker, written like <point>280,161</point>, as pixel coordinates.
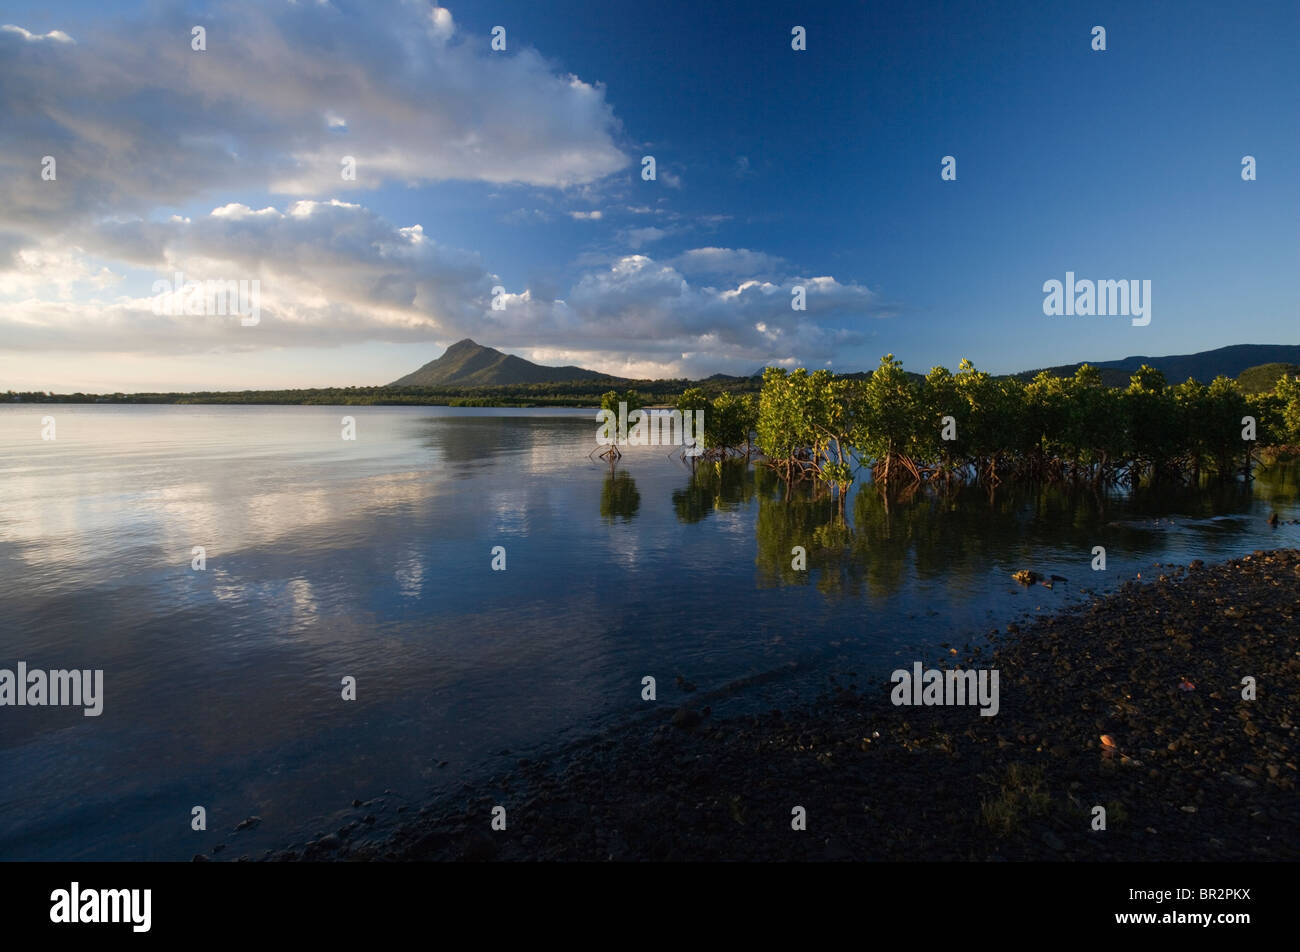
<point>729,422</point>
<point>816,426</point>
<point>611,399</point>
<point>1288,393</point>
<point>806,424</point>
<point>692,399</point>
<point>887,425</point>
<point>782,430</point>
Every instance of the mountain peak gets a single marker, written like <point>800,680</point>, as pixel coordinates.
<point>467,346</point>
<point>470,364</point>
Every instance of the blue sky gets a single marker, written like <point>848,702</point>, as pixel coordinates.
<point>521,169</point>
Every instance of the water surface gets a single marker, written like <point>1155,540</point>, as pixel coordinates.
<point>371,558</point>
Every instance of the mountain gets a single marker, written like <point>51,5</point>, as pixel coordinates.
<point>467,364</point>
<point>1204,366</point>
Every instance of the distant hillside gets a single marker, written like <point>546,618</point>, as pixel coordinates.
<point>467,364</point>
<point>1205,366</point>
<point>471,375</point>
<point>1264,378</point>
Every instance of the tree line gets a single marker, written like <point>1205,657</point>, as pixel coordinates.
<point>971,426</point>
<point>572,394</point>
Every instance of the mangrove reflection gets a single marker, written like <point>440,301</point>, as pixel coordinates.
<point>715,484</point>
<point>1278,484</point>
<point>619,497</point>
<point>954,535</point>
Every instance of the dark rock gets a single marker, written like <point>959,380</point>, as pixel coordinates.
<point>686,718</point>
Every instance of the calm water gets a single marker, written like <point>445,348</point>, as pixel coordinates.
<point>372,559</point>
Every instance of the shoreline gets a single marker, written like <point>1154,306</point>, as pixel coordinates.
<point>1189,769</point>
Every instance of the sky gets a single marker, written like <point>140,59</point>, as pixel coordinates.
<point>522,170</point>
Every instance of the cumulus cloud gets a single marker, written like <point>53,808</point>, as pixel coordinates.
<point>334,273</point>
<point>441,22</point>
<point>141,124</point>
<point>329,273</point>
<point>728,261</point>
<point>136,118</point>
<point>642,317</point>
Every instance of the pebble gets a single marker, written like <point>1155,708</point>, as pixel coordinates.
<point>330,841</point>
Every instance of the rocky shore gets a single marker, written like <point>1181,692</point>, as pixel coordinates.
<point>1132,702</point>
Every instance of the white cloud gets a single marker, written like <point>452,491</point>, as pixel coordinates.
<point>638,316</point>
<point>440,23</point>
<point>57,36</point>
<point>329,273</point>
<point>137,119</point>
<point>727,261</point>
<point>334,273</point>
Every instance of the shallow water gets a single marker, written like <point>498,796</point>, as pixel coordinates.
<point>371,558</point>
